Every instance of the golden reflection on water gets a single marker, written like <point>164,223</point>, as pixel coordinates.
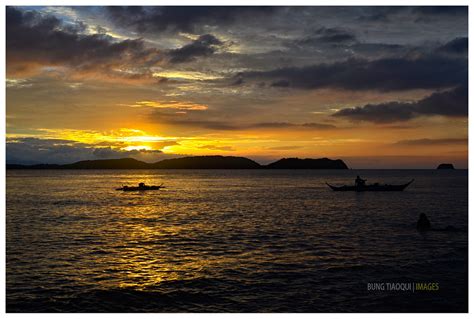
<point>140,259</point>
<point>244,235</point>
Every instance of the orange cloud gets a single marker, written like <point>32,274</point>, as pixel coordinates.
<point>179,105</point>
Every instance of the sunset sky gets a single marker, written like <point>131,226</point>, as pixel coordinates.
<point>379,87</point>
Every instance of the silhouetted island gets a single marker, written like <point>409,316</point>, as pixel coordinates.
<point>122,163</point>
<point>193,162</point>
<point>445,166</point>
<point>308,163</point>
<point>207,162</point>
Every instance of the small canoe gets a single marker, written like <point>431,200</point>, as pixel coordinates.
<point>139,188</point>
<point>370,188</point>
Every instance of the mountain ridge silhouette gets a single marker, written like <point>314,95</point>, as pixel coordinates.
<point>193,162</point>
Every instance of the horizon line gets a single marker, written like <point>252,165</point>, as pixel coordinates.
<point>229,156</point>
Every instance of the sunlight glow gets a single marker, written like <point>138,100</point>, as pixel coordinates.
<point>186,75</point>
<point>179,105</point>
<point>137,148</point>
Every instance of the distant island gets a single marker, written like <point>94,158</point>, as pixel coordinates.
<point>445,166</point>
<point>308,163</point>
<point>193,162</point>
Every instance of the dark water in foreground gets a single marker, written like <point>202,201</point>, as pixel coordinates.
<point>232,241</point>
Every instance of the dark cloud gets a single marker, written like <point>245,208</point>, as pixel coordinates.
<point>375,17</point>
<point>292,125</point>
<point>440,11</point>
<point>333,35</point>
<point>434,142</point>
<point>238,81</point>
<point>379,113</point>
<point>378,50</point>
<point>456,46</point>
<point>423,72</point>
<point>398,126</point>
<point>203,124</point>
<point>38,142</point>
<point>57,151</point>
<point>327,36</point>
<point>429,14</point>
<point>379,14</point>
<point>452,103</point>
<point>35,40</point>
<point>281,83</point>
<point>340,44</point>
<point>233,126</point>
<point>205,45</point>
<point>182,18</point>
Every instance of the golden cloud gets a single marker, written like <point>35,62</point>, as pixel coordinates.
<point>179,105</point>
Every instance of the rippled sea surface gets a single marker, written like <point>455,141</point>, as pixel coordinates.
<point>232,241</point>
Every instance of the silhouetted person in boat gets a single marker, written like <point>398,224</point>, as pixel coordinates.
<point>423,223</point>
<point>359,182</point>
<point>141,185</point>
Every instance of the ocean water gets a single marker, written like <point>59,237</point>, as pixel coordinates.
<point>233,241</point>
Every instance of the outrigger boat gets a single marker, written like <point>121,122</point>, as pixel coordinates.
<point>140,187</point>
<point>370,188</point>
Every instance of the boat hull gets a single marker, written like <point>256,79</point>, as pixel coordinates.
<point>370,188</point>
<point>134,189</point>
